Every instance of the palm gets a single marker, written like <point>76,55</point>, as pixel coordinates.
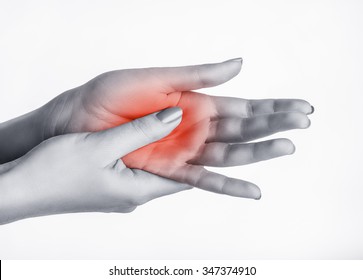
<point>108,104</point>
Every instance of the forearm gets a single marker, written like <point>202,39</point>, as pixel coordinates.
<point>14,200</point>
<point>19,135</point>
<point>21,199</point>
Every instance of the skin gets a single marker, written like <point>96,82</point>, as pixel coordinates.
<point>213,132</point>
<point>82,172</point>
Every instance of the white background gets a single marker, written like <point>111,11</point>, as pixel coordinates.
<point>311,206</point>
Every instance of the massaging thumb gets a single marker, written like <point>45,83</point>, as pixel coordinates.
<point>119,141</point>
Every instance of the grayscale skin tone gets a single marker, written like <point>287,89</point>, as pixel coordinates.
<point>54,161</point>
<point>83,172</point>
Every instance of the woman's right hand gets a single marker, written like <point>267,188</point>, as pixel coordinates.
<point>83,172</point>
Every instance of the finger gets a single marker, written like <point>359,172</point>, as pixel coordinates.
<point>201,178</point>
<point>150,186</point>
<point>233,130</point>
<point>198,76</point>
<point>270,106</point>
<point>223,154</point>
<point>230,107</point>
<point>116,142</point>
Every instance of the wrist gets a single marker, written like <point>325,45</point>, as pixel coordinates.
<point>19,135</point>
<point>57,114</point>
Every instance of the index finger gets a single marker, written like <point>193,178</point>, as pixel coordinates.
<point>231,107</point>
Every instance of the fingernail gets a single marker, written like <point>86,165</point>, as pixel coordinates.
<point>312,109</point>
<point>238,59</point>
<point>169,115</point>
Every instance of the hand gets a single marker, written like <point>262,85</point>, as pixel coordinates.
<point>206,135</point>
<point>82,172</point>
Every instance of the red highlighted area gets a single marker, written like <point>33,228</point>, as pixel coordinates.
<point>169,154</point>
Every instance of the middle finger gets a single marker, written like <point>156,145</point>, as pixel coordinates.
<point>234,130</point>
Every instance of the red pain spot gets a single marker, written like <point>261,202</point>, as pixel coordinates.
<point>169,154</point>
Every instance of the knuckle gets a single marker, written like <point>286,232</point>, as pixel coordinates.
<point>98,83</point>
<point>139,200</point>
<point>121,209</point>
<point>143,128</point>
<point>243,129</point>
<point>127,209</point>
<point>254,154</point>
<point>226,181</point>
<point>249,108</point>
<point>226,154</point>
<point>197,77</point>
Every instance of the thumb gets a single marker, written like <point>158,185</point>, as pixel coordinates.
<point>182,78</point>
<point>116,142</point>
<point>194,77</point>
